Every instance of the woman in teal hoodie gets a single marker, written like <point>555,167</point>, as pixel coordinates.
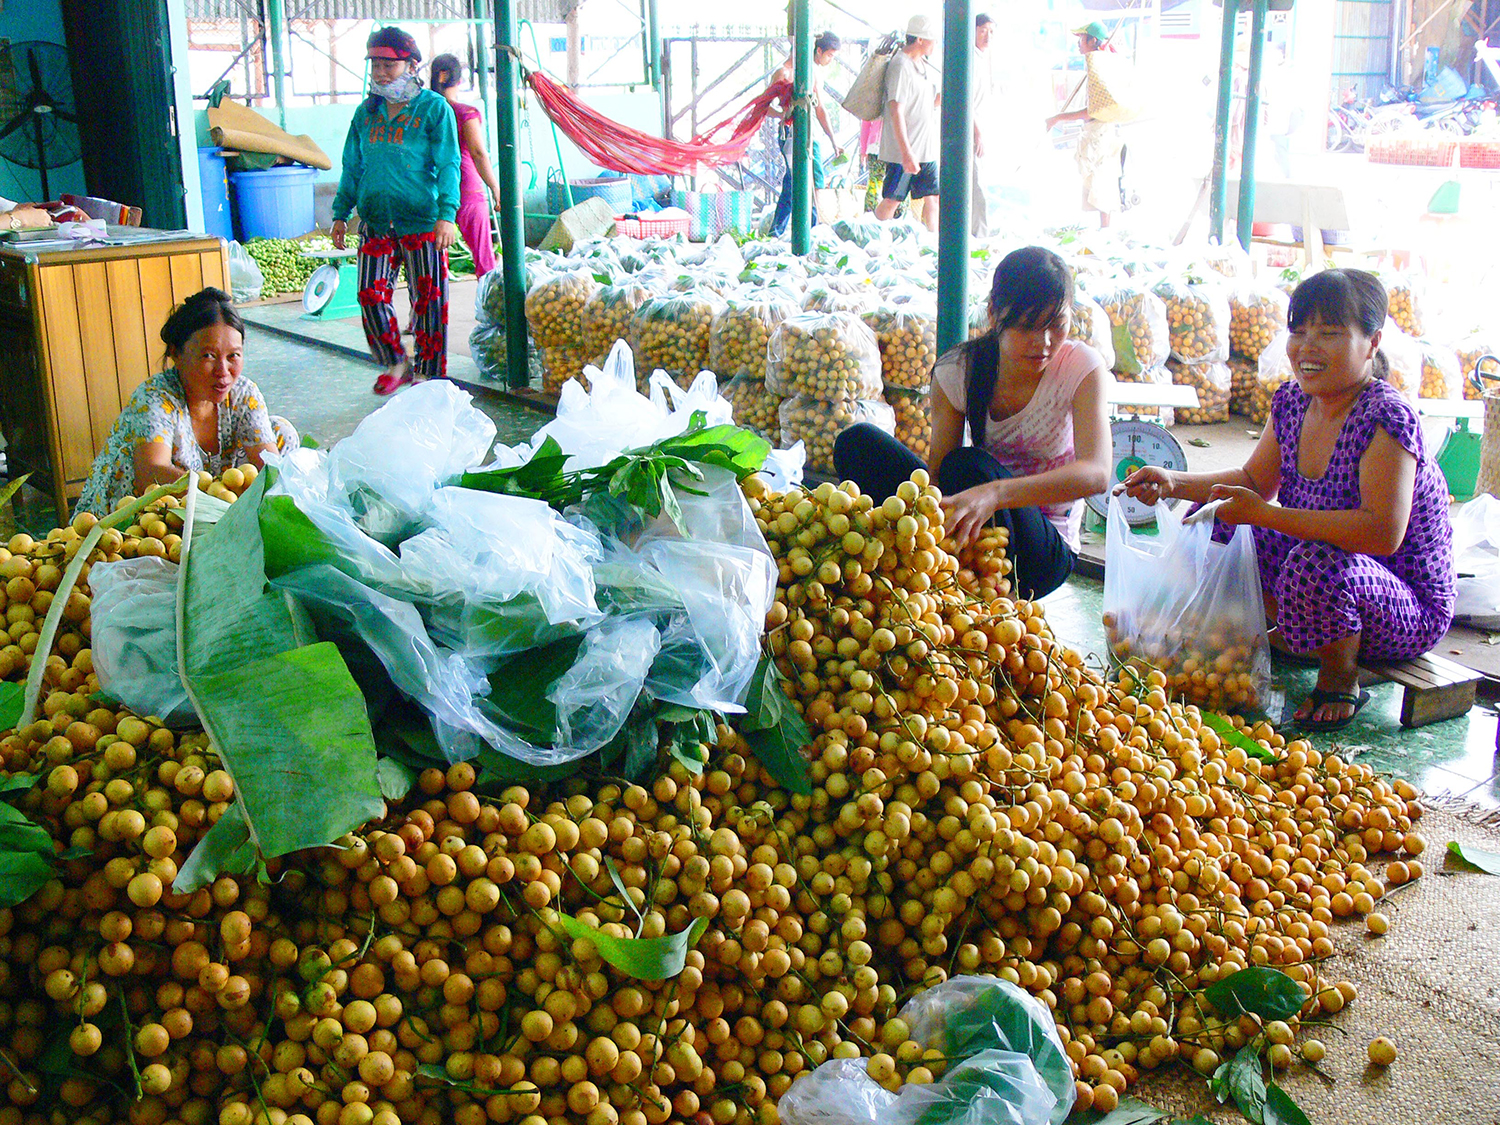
<point>401,169</point>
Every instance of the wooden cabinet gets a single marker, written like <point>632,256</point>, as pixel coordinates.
<point>79,331</point>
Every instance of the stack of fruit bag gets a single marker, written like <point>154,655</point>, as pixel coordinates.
<point>1198,327</point>
<point>607,316</point>
<point>1471,349</point>
<point>826,368</point>
<point>670,333</point>
<point>738,342</point>
<point>906,329</point>
<point>487,343</point>
<point>1257,313</point>
<point>1142,345</point>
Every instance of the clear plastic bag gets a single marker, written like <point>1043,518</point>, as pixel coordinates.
<point>1197,320</point>
<point>1138,322</point>
<point>1273,369</point>
<point>907,335</point>
<point>1471,349</point>
<point>1189,606</point>
<point>1256,314</point>
<point>755,408</point>
<point>1403,357</point>
<point>913,411</point>
<point>561,364</point>
<point>817,423</point>
<point>606,316</point>
<point>672,332</point>
<point>827,355</point>
<point>827,298</point>
<point>783,467</point>
<point>1244,380</point>
<point>1212,381</point>
<point>741,333</point>
<point>1441,374</point>
<point>1403,290</point>
<point>1091,324</point>
<point>487,346</point>
<point>554,308</point>
<point>246,281</point>
<point>134,637</point>
<point>1476,561</point>
<point>594,697</point>
<point>439,433</point>
<point>489,300</point>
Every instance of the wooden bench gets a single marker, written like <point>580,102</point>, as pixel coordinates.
<point>1433,688</point>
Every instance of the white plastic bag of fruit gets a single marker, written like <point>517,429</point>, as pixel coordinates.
<point>1403,358</point>
<point>1197,319</point>
<point>1138,322</point>
<point>1188,605</point>
<point>554,308</point>
<point>829,355</point>
<point>134,637</point>
<point>1256,314</point>
<point>1090,323</point>
<point>1441,374</point>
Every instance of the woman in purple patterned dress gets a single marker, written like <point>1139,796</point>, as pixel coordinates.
<point>1356,558</point>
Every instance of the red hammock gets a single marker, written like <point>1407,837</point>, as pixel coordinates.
<point>623,149</point>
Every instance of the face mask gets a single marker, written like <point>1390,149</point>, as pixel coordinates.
<point>402,89</point>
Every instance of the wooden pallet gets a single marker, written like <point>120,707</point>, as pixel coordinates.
<point>1433,688</point>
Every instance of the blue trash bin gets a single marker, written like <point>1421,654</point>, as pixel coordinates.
<point>215,183</point>
<point>275,203</point>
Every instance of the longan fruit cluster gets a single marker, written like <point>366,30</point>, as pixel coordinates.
<point>1244,389</point>
<point>561,364</point>
<point>913,419</point>
<point>1197,321</point>
<point>832,356</point>
<point>817,423</point>
<point>1405,304</point>
<point>554,308</point>
<point>1440,371</point>
<point>606,316</point>
<point>1470,350</point>
<point>1206,663</point>
<point>741,334</point>
<point>1211,381</point>
<point>755,408</point>
<point>672,333</point>
<point>1256,315</point>
<point>908,346</point>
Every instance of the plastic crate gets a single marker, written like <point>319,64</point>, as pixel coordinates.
<point>1475,153</point>
<point>1422,151</point>
<point>640,226</point>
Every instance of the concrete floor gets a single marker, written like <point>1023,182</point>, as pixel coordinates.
<point>321,381</point>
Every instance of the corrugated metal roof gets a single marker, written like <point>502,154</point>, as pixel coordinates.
<point>544,11</point>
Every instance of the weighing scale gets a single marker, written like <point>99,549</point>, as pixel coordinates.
<point>1137,442</point>
<point>1459,456</point>
<point>332,292</point>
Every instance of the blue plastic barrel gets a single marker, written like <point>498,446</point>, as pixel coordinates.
<point>215,185</point>
<point>275,203</point>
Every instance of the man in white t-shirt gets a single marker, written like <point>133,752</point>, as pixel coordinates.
<point>909,134</point>
<point>981,104</point>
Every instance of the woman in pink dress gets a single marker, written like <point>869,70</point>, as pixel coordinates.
<point>1031,403</point>
<point>477,173</point>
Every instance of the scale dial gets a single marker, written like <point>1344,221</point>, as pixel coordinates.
<point>1137,443</point>
<point>320,288</point>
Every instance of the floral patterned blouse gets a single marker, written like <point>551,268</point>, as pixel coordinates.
<point>158,412</point>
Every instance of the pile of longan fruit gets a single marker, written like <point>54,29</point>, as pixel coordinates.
<point>554,308</point>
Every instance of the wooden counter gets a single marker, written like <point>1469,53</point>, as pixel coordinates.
<point>79,331</point>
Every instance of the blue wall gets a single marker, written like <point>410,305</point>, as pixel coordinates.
<point>21,20</point>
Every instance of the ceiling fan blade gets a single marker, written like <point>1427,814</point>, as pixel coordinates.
<point>15,123</point>
<point>36,70</point>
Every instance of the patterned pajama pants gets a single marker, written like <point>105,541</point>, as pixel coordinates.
<point>380,258</point>
<point>1324,594</point>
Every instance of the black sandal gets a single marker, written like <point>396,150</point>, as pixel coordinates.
<point>1318,697</point>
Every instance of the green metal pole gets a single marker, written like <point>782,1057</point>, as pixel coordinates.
<point>276,28</point>
<point>955,175</point>
<point>1246,217</point>
<point>802,178</point>
<point>508,168</point>
<point>653,43</point>
<point>1218,200</point>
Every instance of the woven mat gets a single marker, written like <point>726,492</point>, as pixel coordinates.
<point>1431,985</point>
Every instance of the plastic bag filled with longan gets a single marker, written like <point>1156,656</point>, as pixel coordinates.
<point>489,298</point>
<point>1180,602</point>
<point>825,298</point>
<point>554,308</point>
<point>741,333</point>
<point>907,334</point>
<point>561,364</point>
<point>1441,375</point>
<point>1471,349</point>
<point>755,408</point>
<point>1403,291</point>
<point>1138,324</point>
<point>1403,357</point>
<point>1211,381</point>
<point>1090,323</point>
<point>1256,314</point>
<point>487,346</point>
<point>913,419</point>
<point>817,423</point>
<point>825,355</point>
<point>1197,319</point>
<point>1274,369</point>
<point>606,316</point>
<point>979,319</point>
<point>1244,379</point>
<point>672,331</point>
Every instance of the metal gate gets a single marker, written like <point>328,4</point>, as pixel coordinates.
<point>1363,46</point>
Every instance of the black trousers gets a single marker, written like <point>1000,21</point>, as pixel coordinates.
<point>878,463</point>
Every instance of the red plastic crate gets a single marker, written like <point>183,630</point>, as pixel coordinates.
<point>642,227</point>
<point>1474,153</point>
<point>1420,151</point>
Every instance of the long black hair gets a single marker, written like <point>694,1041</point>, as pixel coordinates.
<point>446,72</point>
<point>1031,288</point>
<point>1346,298</point>
<point>203,309</point>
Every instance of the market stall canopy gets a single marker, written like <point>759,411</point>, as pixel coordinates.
<point>236,126</point>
